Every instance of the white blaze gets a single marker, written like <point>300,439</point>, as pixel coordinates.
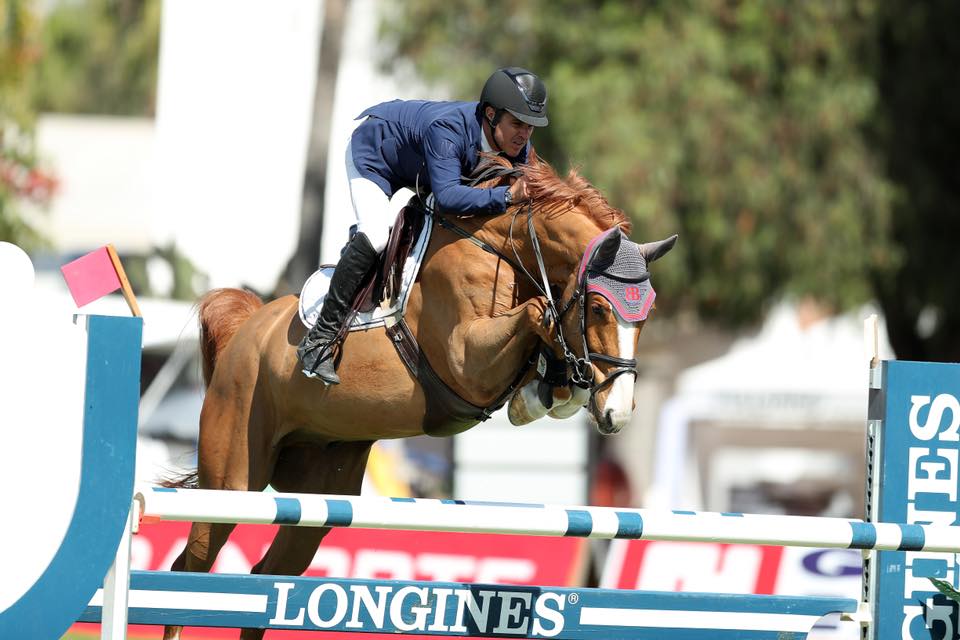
<point>620,399</point>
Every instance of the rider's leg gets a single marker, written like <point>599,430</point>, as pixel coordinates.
<point>372,208</point>
<point>314,351</point>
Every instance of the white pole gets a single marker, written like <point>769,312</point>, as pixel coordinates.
<point>871,340</point>
<point>308,510</point>
<point>116,588</point>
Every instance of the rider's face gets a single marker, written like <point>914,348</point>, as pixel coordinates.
<point>511,135</point>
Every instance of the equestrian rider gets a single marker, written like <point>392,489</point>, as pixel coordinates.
<point>422,145</point>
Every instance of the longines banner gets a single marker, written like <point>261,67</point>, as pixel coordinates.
<point>920,477</point>
<point>386,555</point>
<point>463,609</point>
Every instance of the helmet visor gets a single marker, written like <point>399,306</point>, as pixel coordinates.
<point>536,121</point>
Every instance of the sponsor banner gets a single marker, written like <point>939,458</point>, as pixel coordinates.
<point>385,555</point>
<point>738,569</point>
<point>465,610</point>
<point>920,474</point>
<point>731,568</point>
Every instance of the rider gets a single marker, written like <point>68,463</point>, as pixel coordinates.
<point>422,145</point>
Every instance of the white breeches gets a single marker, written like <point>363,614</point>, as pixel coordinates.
<point>375,214</point>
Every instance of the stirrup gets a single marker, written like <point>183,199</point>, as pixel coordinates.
<point>325,370</point>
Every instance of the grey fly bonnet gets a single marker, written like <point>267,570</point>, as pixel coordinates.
<point>615,268</point>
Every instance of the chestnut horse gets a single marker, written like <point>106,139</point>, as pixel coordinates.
<point>477,317</point>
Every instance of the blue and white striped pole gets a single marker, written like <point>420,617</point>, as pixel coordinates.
<point>196,505</point>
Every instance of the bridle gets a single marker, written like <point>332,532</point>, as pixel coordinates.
<point>581,370</point>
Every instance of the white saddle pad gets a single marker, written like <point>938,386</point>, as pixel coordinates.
<point>315,289</point>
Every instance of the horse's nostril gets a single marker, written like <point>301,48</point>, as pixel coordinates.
<point>606,424</point>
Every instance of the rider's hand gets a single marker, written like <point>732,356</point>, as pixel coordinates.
<point>518,191</point>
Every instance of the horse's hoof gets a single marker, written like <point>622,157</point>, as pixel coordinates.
<point>578,398</point>
<point>525,406</point>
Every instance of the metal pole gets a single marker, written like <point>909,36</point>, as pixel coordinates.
<point>116,588</point>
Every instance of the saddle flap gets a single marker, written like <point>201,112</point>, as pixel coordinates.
<point>389,274</point>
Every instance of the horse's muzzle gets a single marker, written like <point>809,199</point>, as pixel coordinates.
<point>606,422</point>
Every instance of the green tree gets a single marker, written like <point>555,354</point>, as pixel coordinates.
<point>918,126</point>
<point>99,56</point>
<point>21,179</point>
<point>737,124</point>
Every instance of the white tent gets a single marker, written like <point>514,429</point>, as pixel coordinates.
<point>787,383</point>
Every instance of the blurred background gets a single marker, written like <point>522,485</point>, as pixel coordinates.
<point>804,151</point>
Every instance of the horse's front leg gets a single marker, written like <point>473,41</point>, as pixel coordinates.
<point>539,398</point>
<point>485,354</point>
<point>549,393</point>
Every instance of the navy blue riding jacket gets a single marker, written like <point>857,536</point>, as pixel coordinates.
<point>406,143</point>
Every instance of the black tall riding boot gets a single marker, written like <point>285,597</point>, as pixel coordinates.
<point>315,351</point>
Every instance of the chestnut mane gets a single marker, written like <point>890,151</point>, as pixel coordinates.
<point>553,195</point>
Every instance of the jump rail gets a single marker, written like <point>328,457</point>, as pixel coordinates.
<point>310,510</point>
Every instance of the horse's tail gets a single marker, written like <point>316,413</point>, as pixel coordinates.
<point>222,311</point>
<point>185,480</point>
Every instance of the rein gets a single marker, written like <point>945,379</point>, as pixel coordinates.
<point>582,371</point>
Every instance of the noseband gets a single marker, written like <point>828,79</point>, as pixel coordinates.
<point>582,373</point>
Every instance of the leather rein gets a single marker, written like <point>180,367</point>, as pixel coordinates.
<point>581,371</point>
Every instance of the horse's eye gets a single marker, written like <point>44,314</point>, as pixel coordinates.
<point>598,309</point>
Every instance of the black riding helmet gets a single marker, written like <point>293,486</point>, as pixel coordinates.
<point>518,91</point>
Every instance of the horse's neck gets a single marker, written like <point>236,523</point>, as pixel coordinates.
<point>484,285</point>
<point>562,237</point>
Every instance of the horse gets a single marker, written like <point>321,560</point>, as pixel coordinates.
<point>479,316</point>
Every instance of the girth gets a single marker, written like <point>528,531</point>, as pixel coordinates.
<point>446,413</point>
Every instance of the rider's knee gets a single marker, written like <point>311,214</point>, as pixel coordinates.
<point>376,233</point>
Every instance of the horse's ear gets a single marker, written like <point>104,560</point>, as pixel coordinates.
<point>653,250</point>
<point>606,252</point>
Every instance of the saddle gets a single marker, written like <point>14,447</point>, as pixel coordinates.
<point>385,281</point>
<point>383,290</point>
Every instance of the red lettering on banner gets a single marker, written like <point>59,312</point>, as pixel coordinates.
<point>632,293</point>
<point>685,566</point>
<point>393,555</point>
<point>725,568</point>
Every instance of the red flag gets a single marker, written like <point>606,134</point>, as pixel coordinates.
<point>96,274</point>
